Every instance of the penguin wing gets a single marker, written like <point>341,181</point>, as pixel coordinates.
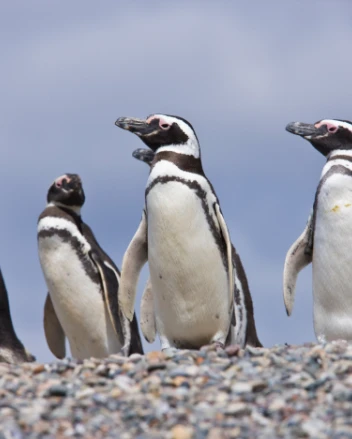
<point>110,279</point>
<point>226,236</point>
<point>127,333</point>
<point>296,259</point>
<point>54,334</point>
<point>134,258</point>
<point>147,313</point>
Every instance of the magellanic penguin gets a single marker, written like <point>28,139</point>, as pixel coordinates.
<point>11,348</point>
<point>82,280</point>
<point>327,238</point>
<point>198,291</point>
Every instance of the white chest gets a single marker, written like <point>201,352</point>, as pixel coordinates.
<point>332,259</point>
<point>77,299</point>
<point>188,275</point>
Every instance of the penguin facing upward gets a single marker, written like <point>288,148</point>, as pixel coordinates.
<point>326,241</point>
<point>199,289</point>
<point>11,348</point>
<point>83,282</point>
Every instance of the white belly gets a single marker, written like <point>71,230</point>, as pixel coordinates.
<point>332,260</point>
<point>190,285</point>
<point>78,302</point>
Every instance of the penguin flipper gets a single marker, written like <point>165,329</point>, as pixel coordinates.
<point>134,258</point>
<point>147,317</point>
<point>227,240</point>
<point>110,280</point>
<point>296,259</point>
<point>54,334</point>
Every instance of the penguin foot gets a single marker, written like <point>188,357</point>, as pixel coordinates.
<point>217,346</point>
<point>169,352</point>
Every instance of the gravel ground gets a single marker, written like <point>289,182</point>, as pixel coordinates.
<point>282,392</point>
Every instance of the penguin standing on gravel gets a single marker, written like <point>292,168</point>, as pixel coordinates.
<point>11,348</point>
<point>199,289</point>
<point>326,241</point>
<point>82,280</point>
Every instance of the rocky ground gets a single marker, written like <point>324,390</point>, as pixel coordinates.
<point>282,392</point>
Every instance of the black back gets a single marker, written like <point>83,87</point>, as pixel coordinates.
<point>8,337</point>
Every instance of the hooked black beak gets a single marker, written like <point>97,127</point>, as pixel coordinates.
<point>304,129</point>
<point>145,155</point>
<point>136,126</point>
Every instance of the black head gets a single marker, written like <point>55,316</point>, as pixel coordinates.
<point>170,133</point>
<point>144,155</point>
<point>67,190</point>
<point>326,135</point>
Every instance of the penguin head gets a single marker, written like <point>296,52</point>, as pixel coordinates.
<point>67,191</point>
<point>162,132</point>
<point>326,135</point>
<point>144,155</point>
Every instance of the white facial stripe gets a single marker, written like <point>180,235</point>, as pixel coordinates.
<point>49,222</point>
<point>170,120</point>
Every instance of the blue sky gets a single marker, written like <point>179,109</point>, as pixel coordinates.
<point>238,71</point>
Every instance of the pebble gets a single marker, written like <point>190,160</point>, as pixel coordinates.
<point>281,392</point>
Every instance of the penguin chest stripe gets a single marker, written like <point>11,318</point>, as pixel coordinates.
<point>77,246</point>
<point>202,195</point>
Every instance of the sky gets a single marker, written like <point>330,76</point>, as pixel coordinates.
<point>238,71</point>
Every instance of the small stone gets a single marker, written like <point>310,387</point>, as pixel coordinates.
<point>232,350</point>
<point>182,432</point>
<point>80,429</point>
<point>84,393</point>
<point>124,383</point>
<point>39,368</point>
<point>237,409</point>
<point>178,381</point>
<point>156,366</point>
<point>313,427</point>
<point>135,358</point>
<point>216,433</point>
<point>277,404</point>
<point>57,390</point>
<point>155,356</point>
<point>241,388</point>
<point>116,392</point>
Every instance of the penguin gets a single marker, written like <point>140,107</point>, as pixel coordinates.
<point>326,240</point>
<point>83,281</point>
<point>198,290</point>
<point>11,348</point>
<point>144,155</point>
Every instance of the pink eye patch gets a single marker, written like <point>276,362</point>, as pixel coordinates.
<point>330,126</point>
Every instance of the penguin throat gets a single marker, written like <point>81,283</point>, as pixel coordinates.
<point>75,209</point>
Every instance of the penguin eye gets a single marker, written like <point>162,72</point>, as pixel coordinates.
<point>332,129</point>
<point>164,126</point>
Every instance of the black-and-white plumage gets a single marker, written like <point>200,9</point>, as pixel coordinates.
<point>327,238</point>
<point>11,348</point>
<point>198,289</point>
<point>83,281</point>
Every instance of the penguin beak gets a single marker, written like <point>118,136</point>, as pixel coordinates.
<point>136,126</point>
<point>145,155</point>
<point>305,130</point>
